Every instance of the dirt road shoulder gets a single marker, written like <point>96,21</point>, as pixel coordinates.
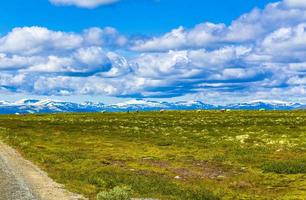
<point>35,181</point>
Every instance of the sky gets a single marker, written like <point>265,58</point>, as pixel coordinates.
<point>114,50</point>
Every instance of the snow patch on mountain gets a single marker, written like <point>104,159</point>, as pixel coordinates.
<point>25,106</point>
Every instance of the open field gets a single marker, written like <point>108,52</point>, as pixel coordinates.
<point>171,155</point>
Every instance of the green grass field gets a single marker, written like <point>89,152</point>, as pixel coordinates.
<point>173,155</point>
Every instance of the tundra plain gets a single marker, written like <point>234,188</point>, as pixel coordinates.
<point>172,155</point>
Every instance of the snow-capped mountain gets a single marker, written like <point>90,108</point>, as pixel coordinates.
<point>265,104</point>
<point>52,106</point>
<point>146,105</point>
<point>45,106</point>
<point>191,105</point>
<point>139,104</point>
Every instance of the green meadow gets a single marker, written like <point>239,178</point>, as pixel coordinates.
<point>175,155</point>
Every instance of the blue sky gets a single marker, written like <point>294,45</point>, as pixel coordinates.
<point>111,50</point>
<point>128,16</point>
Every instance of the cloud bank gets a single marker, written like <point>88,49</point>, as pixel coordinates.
<point>83,3</point>
<point>259,55</point>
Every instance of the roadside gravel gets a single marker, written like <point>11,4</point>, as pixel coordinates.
<point>22,180</point>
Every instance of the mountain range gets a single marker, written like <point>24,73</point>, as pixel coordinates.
<point>27,106</point>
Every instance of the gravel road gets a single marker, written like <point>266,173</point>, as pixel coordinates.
<point>12,187</point>
<point>22,180</point>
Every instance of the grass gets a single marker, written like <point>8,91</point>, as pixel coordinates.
<point>286,167</point>
<point>177,155</point>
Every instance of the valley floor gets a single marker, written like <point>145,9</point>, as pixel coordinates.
<point>172,155</point>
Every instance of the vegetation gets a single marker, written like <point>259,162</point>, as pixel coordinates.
<point>171,155</point>
<point>118,193</point>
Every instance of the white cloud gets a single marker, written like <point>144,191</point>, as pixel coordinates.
<point>83,3</point>
<point>287,39</point>
<point>53,64</point>
<point>36,40</point>
<point>92,56</point>
<point>83,62</point>
<point>248,28</point>
<point>295,3</point>
<point>107,37</point>
<point>261,53</point>
<point>160,65</point>
<point>296,80</point>
<point>202,35</point>
<point>16,62</point>
<point>33,40</point>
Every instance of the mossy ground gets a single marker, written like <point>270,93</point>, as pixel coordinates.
<point>172,155</point>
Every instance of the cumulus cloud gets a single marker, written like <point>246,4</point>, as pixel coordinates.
<point>248,28</point>
<point>295,3</point>
<point>287,42</point>
<point>31,40</point>
<point>108,36</point>
<point>83,3</point>
<point>35,40</point>
<point>180,38</point>
<point>15,62</point>
<point>261,54</point>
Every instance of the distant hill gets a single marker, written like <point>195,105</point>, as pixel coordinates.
<point>52,106</point>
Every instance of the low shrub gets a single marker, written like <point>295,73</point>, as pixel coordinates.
<point>285,167</point>
<point>118,193</point>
